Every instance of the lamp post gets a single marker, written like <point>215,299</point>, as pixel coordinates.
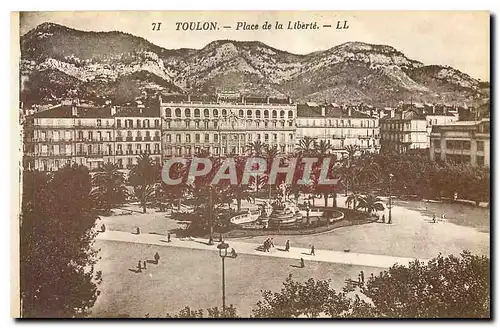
<point>223,254</point>
<point>390,199</point>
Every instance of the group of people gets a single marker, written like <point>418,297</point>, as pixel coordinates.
<point>434,218</point>
<point>268,244</point>
<point>142,265</point>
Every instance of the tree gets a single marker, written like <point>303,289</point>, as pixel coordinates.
<point>109,187</point>
<point>213,313</point>
<point>445,287</point>
<point>270,153</point>
<point>371,203</point>
<point>323,148</point>
<point>309,299</point>
<point>451,287</point>
<point>143,177</point>
<point>353,199</point>
<point>57,277</point>
<point>256,148</point>
<point>306,146</point>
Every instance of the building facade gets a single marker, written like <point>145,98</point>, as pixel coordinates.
<point>462,142</point>
<point>225,126</point>
<point>90,136</point>
<point>341,126</point>
<point>403,131</point>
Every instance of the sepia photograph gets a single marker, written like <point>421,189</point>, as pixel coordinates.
<point>252,164</point>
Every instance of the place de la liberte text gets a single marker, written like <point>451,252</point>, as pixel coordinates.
<point>247,26</point>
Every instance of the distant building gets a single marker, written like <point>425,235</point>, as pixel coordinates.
<point>462,142</point>
<point>225,125</point>
<point>403,131</point>
<point>342,126</point>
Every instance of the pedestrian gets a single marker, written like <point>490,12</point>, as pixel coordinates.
<point>144,265</point>
<point>137,231</point>
<point>434,218</point>
<point>271,242</point>
<point>383,218</point>
<point>233,253</point>
<point>210,241</point>
<point>139,266</point>
<point>287,246</point>
<point>103,228</point>
<point>220,238</point>
<point>157,258</point>
<point>312,250</point>
<point>302,265</point>
<point>168,237</point>
<point>362,275</point>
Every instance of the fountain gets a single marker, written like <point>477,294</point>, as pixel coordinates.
<point>285,212</point>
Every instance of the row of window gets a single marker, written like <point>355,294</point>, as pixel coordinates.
<point>339,123</point>
<point>186,112</point>
<point>188,124</point>
<point>144,124</point>
<point>207,137</point>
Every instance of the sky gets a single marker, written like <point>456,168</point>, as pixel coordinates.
<point>460,39</point>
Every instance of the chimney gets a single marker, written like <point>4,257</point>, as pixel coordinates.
<point>267,99</point>
<point>349,111</point>
<point>113,110</point>
<point>323,111</point>
<point>74,110</point>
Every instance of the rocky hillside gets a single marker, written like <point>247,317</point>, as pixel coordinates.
<point>59,62</point>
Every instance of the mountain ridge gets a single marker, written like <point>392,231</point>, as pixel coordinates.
<point>349,72</point>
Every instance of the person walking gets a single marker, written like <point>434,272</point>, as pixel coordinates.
<point>144,262</point>
<point>362,275</point>
<point>210,241</point>
<point>271,242</point>
<point>383,218</point>
<point>139,266</point>
<point>287,246</point>
<point>312,250</point>
<point>220,238</point>
<point>302,264</point>
<point>157,258</point>
<point>434,218</point>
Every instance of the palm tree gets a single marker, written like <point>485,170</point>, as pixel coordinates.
<point>256,148</point>
<point>109,186</point>
<point>143,177</point>
<point>353,199</point>
<point>323,148</point>
<point>371,203</point>
<point>306,146</point>
<point>270,153</point>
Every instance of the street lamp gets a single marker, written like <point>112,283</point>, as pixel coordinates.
<point>223,254</point>
<point>390,199</point>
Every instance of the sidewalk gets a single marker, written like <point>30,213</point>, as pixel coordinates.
<point>380,261</point>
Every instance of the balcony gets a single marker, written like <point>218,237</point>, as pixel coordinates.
<point>129,138</point>
<point>119,139</point>
<point>147,138</point>
<point>138,138</point>
<point>156,138</point>
<point>336,136</point>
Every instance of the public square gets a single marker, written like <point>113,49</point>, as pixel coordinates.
<point>189,271</point>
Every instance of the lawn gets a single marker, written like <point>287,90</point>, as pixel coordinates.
<point>193,277</point>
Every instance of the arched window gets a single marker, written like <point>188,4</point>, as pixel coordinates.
<point>266,114</point>
<point>187,112</point>
<point>178,112</point>
<point>168,112</point>
<point>257,113</point>
<point>206,113</point>
<point>224,112</point>
<point>241,113</point>
<point>196,112</point>
<point>216,113</point>
<point>290,114</point>
<point>249,113</point>
<point>282,114</point>
<point>275,114</point>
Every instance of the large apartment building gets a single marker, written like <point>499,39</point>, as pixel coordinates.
<point>90,136</point>
<point>403,131</point>
<point>462,142</point>
<point>225,125</point>
<point>342,126</point>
